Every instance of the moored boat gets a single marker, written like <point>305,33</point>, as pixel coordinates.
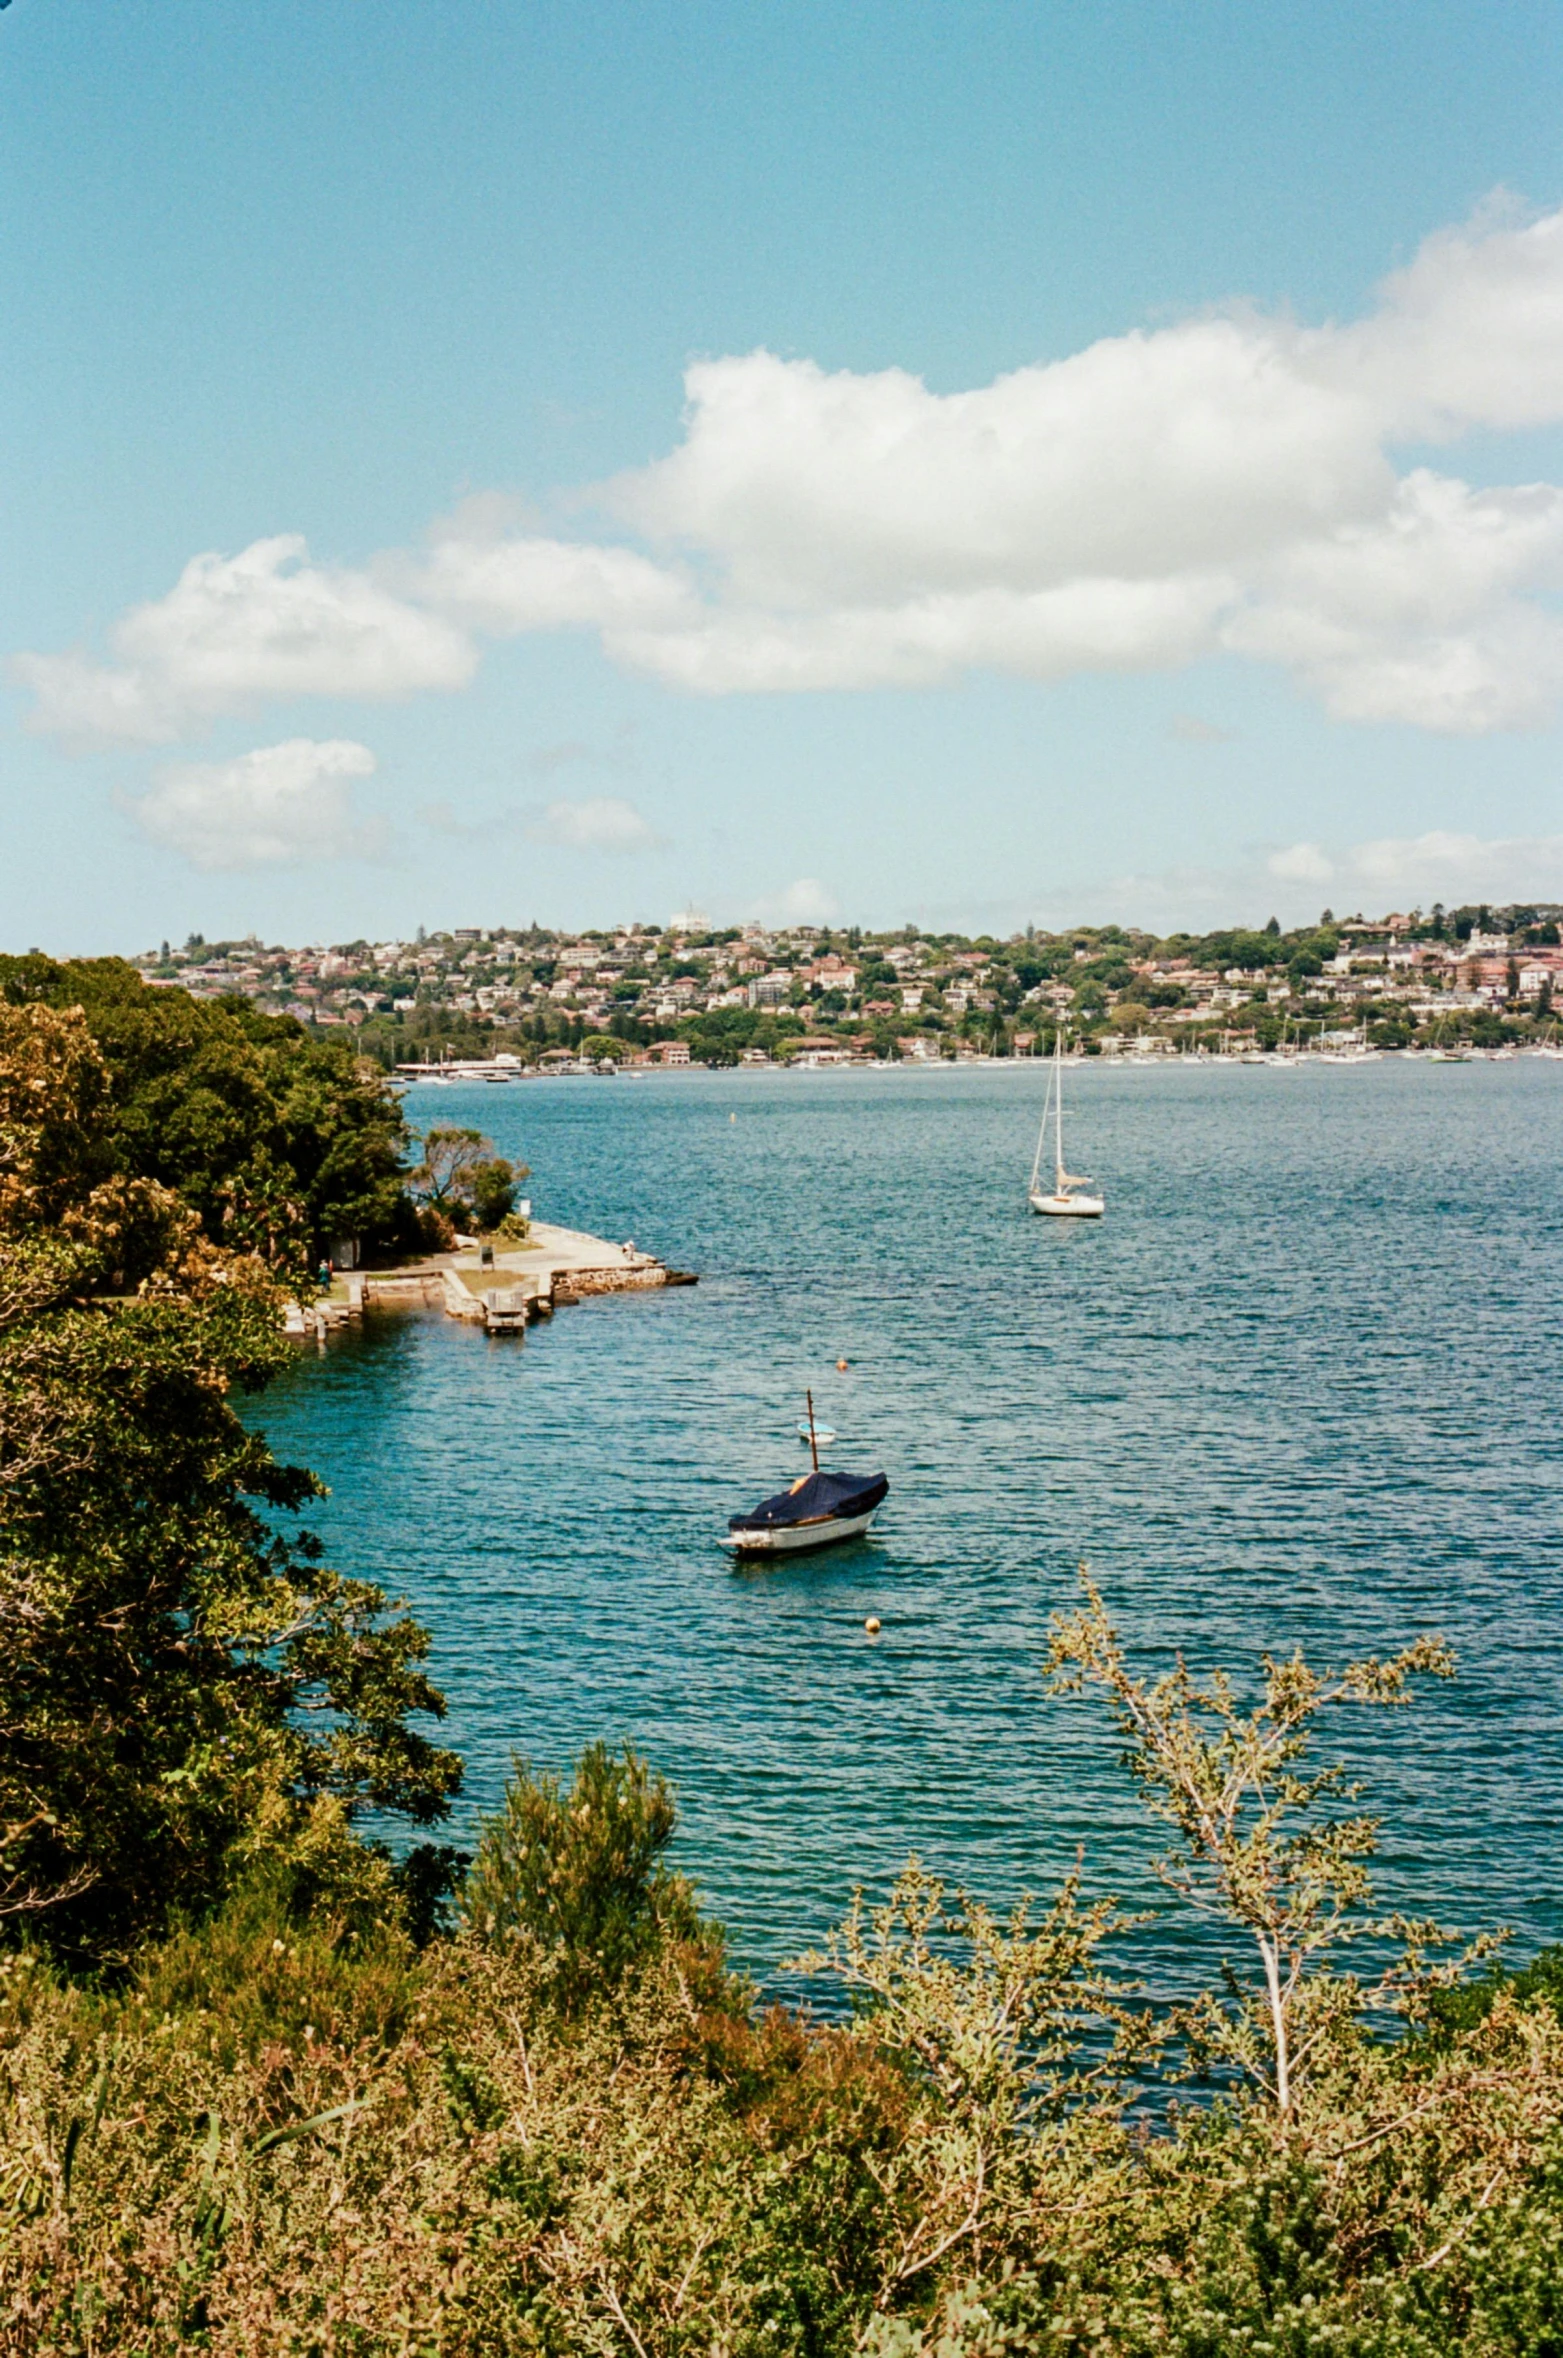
<point>817,1511</point>
<point>1063,1203</point>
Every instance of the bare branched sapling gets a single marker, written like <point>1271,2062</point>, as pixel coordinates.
<point>1262,1845</point>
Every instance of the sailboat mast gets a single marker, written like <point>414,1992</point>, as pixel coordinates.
<point>813,1443</point>
<point>1058,1068</point>
<point>1047,1107</point>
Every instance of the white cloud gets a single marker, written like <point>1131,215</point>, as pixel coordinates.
<point>1454,868</point>
<point>443,818</point>
<point>1225,484</point>
<point>505,584</point>
<point>1300,863</point>
<point>234,631</point>
<point>805,902</point>
<point>599,823</point>
<point>569,754</point>
<point>1471,334</point>
<point>1144,456</point>
<point>1419,615</point>
<point>278,806</point>
<point>1042,634</point>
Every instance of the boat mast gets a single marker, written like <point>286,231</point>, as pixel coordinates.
<point>1047,1104</point>
<point>813,1444</point>
<point>1058,1067</point>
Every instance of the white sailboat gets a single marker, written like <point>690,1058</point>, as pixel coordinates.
<point>1443,1050</point>
<point>1063,1203</point>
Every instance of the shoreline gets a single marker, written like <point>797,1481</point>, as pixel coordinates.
<point>1164,1059</point>
<point>552,1269</point>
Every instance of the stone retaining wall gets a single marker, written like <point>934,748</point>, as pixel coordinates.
<point>445,1289</point>
<point>570,1285</point>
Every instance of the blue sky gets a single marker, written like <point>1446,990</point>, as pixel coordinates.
<point>1102,538</point>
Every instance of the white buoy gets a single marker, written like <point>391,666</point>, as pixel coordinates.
<point>872,1625</point>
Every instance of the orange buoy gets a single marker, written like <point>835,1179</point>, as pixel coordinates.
<point>841,1367</point>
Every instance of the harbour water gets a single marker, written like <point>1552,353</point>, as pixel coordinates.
<point>1302,1385</point>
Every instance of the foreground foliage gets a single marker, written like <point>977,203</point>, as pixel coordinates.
<point>569,2128</point>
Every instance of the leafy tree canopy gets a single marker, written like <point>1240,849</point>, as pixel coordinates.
<point>183,1684</point>
<point>579,1870</point>
<point>462,1177</point>
<point>1240,947</point>
<point>277,1141</point>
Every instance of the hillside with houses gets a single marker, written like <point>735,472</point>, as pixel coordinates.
<point>691,993</point>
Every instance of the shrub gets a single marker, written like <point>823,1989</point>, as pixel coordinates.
<point>580,1872</point>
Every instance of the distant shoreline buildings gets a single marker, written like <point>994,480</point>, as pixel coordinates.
<point>688,992</point>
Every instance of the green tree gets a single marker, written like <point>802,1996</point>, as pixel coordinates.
<point>1240,947</point>
<point>494,1187</point>
<point>462,1178</point>
<point>279,1142</point>
<point>448,1157</point>
<point>183,1684</point>
<point>1010,2026</point>
<point>580,1872</point>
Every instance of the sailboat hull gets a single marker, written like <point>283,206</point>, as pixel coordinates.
<point>1068,1207</point>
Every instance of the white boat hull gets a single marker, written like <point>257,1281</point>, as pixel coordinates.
<point>1068,1207</point>
<point>795,1539</point>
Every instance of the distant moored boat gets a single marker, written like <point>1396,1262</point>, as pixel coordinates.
<point>1063,1203</point>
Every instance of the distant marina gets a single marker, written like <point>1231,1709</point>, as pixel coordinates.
<point>1330,1048</point>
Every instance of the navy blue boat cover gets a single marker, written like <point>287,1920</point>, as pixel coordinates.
<point>816,1494</point>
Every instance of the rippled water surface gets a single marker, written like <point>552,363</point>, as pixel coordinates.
<point>1300,1385</point>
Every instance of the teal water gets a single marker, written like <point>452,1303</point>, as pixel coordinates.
<point>1300,1386</point>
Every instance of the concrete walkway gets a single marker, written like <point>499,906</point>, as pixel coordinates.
<point>551,1252</point>
<point>523,1281</point>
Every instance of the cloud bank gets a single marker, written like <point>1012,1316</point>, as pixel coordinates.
<point>804,902</point>
<point>1298,880</point>
<point>1225,484</point>
<point>1416,870</point>
<point>235,632</point>
<point>279,806</point>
